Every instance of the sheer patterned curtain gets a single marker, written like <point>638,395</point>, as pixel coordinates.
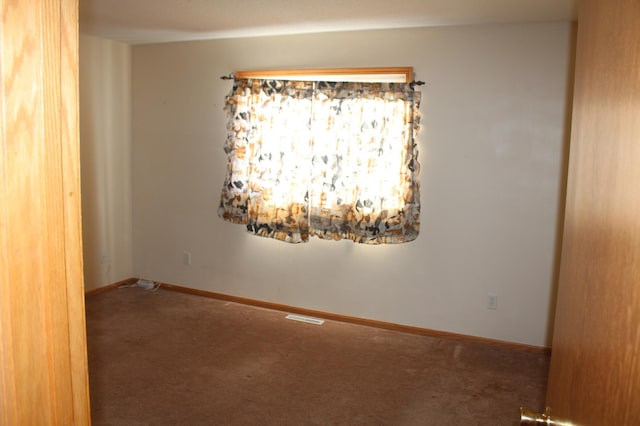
<point>331,159</point>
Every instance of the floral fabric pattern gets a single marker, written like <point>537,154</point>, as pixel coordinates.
<point>335,160</point>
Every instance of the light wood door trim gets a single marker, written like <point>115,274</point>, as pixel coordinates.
<point>595,364</point>
<point>43,365</point>
<point>70,102</point>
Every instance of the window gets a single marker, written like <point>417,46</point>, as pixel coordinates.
<point>323,157</point>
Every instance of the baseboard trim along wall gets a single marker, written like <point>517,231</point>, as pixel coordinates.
<point>521,347</point>
<point>99,290</point>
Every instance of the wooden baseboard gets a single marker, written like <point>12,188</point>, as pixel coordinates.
<point>343,318</point>
<point>109,287</point>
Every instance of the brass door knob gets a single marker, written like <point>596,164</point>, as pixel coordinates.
<point>529,418</point>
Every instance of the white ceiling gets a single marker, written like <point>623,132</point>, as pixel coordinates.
<point>154,21</point>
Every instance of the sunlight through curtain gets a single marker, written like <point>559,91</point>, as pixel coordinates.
<point>336,160</point>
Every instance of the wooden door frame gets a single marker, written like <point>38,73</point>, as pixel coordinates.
<point>43,356</point>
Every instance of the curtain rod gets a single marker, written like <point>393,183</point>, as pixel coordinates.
<point>412,83</point>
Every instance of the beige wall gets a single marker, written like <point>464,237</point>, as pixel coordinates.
<point>492,153</point>
<point>105,148</point>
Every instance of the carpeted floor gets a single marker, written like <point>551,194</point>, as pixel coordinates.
<point>168,358</point>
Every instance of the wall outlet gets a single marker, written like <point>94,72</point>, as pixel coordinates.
<point>186,258</point>
<point>104,259</point>
<point>492,301</point>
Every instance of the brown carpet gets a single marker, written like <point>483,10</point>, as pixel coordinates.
<point>168,358</point>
